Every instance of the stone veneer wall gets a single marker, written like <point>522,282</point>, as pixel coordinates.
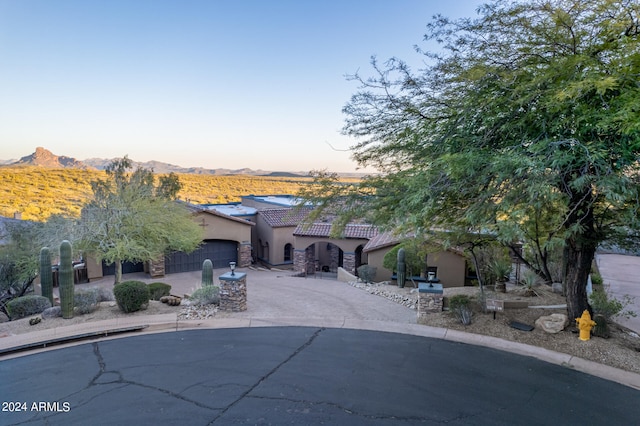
<point>310,259</point>
<point>156,267</point>
<point>429,303</point>
<point>349,262</point>
<point>233,293</point>
<point>299,258</point>
<point>244,255</point>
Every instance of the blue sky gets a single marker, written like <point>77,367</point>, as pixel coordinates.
<point>257,84</point>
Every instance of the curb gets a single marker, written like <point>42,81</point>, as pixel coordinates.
<point>17,345</point>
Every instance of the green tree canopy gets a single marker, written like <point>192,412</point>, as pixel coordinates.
<point>130,218</point>
<point>526,126</point>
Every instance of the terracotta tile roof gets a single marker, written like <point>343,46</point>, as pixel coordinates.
<point>352,230</point>
<point>380,241</point>
<point>279,218</point>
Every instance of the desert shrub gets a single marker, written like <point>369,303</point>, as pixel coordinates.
<point>104,294</point>
<point>206,295</point>
<point>460,305</point>
<point>596,279</point>
<point>157,290</point>
<point>24,306</point>
<point>85,301</point>
<point>367,273</point>
<point>608,306</point>
<point>131,296</point>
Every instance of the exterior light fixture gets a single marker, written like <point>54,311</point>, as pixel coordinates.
<point>232,265</point>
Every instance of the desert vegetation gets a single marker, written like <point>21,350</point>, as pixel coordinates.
<point>39,193</point>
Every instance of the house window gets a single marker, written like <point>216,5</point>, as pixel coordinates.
<point>288,248</point>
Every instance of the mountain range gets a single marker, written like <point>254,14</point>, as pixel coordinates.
<point>44,158</point>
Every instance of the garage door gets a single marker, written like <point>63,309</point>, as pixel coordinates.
<point>221,252</point>
<point>127,268</point>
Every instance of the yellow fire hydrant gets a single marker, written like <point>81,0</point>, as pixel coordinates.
<point>585,324</point>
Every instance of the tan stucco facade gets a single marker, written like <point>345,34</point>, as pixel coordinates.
<point>218,227</point>
<point>269,243</point>
<point>452,266</point>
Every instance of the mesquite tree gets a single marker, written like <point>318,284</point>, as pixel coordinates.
<point>524,126</point>
<point>131,218</point>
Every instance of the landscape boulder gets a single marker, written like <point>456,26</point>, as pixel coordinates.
<point>52,312</point>
<point>553,323</point>
<point>556,288</point>
<point>3,317</point>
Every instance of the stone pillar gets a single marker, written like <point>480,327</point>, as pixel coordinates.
<point>233,292</point>
<point>430,298</point>
<point>335,257</point>
<point>244,254</point>
<point>299,259</point>
<point>349,262</point>
<point>156,267</point>
<point>310,259</point>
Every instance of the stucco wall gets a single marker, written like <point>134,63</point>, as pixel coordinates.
<point>451,266</point>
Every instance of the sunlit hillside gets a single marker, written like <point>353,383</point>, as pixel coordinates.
<point>38,192</point>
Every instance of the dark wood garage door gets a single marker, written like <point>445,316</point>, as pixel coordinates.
<point>221,252</point>
<point>127,268</point>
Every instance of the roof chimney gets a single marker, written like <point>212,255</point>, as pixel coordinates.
<point>17,215</point>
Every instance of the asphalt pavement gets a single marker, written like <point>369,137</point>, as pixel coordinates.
<point>301,375</point>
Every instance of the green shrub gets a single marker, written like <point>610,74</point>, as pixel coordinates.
<point>206,295</point>
<point>607,306</point>
<point>131,296</point>
<point>24,306</point>
<point>460,305</point>
<point>104,294</point>
<point>85,301</point>
<point>157,290</point>
<point>367,273</point>
<point>596,279</point>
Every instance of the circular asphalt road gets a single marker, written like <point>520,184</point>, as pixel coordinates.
<point>301,375</point>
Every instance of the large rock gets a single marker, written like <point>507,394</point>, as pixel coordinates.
<point>52,312</point>
<point>553,323</point>
<point>3,317</point>
<point>556,288</point>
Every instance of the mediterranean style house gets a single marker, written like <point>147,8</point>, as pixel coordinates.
<point>271,231</point>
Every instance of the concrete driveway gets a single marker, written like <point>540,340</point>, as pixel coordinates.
<point>622,274</point>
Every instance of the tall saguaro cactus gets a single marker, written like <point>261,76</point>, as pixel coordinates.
<point>65,280</point>
<point>46,277</point>
<point>207,272</point>
<point>402,268</point>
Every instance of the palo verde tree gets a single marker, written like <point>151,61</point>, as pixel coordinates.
<point>131,218</point>
<point>525,126</point>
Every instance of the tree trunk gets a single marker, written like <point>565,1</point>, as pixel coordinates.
<point>578,257</point>
<point>118,274</point>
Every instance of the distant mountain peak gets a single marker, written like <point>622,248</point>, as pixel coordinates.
<point>44,158</point>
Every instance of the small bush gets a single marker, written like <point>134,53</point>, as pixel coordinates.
<point>206,295</point>
<point>131,296</point>
<point>24,306</point>
<point>104,294</point>
<point>85,301</point>
<point>596,279</point>
<point>367,273</point>
<point>157,290</point>
<point>460,306</point>
<point>607,306</point>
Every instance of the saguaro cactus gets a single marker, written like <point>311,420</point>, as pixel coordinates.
<point>65,280</point>
<point>46,277</point>
<point>207,272</point>
<point>402,268</point>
